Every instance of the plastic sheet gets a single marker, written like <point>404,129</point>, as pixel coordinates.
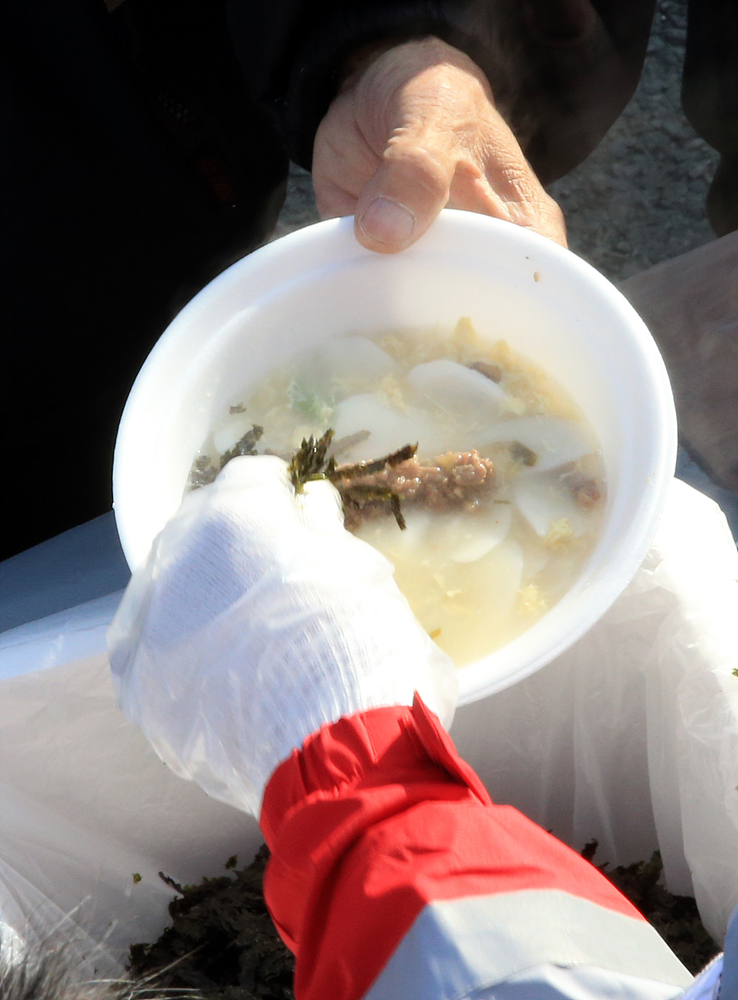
<point>85,804</point>
<point>630,737</point>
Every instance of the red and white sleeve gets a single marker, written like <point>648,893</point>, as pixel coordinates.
<point>394,876</point>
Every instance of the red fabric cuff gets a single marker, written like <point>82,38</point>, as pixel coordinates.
<point>374,818</point>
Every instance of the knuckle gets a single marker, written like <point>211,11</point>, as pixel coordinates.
<point>420,166</point>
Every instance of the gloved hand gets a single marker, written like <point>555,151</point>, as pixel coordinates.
<point>256,619</point>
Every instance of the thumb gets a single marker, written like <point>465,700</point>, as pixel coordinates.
<point>406,193</point>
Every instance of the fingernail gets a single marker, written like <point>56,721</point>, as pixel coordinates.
<point>387,221</point>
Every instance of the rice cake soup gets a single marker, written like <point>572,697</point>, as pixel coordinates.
<point>502,500</point>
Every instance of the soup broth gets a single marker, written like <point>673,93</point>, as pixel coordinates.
<point>488,551</point>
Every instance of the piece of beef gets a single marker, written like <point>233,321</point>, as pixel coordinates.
<point>453,481</point>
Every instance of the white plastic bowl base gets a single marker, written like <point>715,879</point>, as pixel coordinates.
<point>320,283</point>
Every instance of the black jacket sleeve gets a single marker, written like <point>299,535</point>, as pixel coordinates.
<point>560,70</point>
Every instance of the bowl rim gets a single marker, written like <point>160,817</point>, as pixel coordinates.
<point>335,237</point>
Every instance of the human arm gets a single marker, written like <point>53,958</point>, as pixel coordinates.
<point>393,875</point>
<point>256,619</point>
<point>413,129</point>
<point>387,852</point>
<point>555,78</point>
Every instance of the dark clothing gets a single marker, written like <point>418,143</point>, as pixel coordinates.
<point>561,70</point>
<point>710,99</point>
<point>135,166</point>
<point>146,147</point>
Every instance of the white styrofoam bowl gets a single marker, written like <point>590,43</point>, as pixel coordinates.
<point>319,283</point>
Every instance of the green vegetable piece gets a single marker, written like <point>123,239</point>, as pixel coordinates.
<point>245,446</point>
<point>308,403</point>
<point>521,453</point>
<point>310,462</point>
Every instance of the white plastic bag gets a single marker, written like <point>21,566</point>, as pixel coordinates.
<point>692,705</point>
<point>85,805</point>
<point>630,737</point>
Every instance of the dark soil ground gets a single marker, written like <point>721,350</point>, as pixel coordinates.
<point>639,199</point>
<point>222,944</point>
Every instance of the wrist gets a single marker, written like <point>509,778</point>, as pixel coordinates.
<point>343,802</point>
<point>370,749</point>
<point>388,853</point>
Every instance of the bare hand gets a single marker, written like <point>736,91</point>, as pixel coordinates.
<point>415,129</point>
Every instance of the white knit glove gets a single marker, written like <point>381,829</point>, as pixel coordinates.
<point>257,618</point>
